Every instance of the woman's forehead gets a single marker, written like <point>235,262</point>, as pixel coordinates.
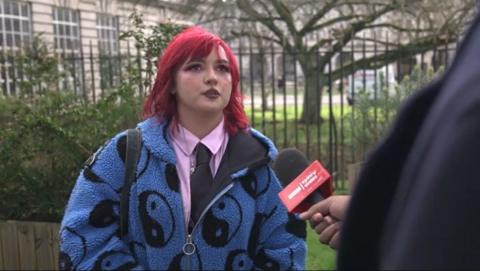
<point>217,50</point>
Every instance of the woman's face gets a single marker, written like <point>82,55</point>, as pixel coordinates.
<point>203,86</point>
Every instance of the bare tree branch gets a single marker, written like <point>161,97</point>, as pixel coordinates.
<point>311,25</point>
<point>319,15</point>
<point>355,28</point>
<point>224,17</point>
<point>265,7</point>
<point>286,15</point>
<point>335,21</point>
<point>399,28</point>
<point>255,35</point>
<point>420,24</point>
<point>379,60</point>
<point>247,8</point>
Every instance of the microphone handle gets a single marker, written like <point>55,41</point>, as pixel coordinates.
<point>315,197</point>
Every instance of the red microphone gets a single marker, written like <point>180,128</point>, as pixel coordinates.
<point>304,183</point>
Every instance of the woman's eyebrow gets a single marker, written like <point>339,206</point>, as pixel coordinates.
<point>201,60</point>
<point>223,61</point>
<point>198,59</point>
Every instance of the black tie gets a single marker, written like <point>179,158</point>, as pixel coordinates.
<point>200,181</point>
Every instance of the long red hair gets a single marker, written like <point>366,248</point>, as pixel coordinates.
<point>193,42</point>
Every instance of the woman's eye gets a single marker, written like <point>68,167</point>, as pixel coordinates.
<point>194,67</point>
<point>223,68</point>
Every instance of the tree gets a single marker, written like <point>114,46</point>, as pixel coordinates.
<point>150,41</point>
<point>416,25</point>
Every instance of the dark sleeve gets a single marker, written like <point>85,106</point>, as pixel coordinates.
<point>435,221</point>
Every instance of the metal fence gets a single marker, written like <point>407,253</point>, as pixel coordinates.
<point>273,85</point>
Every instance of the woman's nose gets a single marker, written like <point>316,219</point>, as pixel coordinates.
<point>210,77</point>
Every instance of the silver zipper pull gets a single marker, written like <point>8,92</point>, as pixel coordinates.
<point>189,247</point>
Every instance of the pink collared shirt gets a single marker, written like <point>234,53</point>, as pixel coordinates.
<point>184,143</point>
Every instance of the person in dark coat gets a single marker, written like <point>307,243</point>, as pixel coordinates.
<point>416,204</point>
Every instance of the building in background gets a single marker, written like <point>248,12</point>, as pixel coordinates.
<point>77,30</point>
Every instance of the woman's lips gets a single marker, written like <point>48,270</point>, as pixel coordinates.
<point>211,93</point>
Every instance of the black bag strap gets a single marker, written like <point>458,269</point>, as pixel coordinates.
<point>131,159</point>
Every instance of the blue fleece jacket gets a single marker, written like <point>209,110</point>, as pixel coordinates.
<point>244,224</point>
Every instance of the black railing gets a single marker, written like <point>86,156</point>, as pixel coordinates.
<point>273,85</point>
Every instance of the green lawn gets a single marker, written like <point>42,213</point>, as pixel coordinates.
<point>290,110</point>
<point>319,256</point>
<point>351,138</point>
<point>275,127</point>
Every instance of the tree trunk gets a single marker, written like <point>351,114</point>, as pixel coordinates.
<point>312,104</point>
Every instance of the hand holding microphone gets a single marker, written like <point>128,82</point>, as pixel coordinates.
<point>305,188</point>
<point>326,218</point>
<point>334,206</point>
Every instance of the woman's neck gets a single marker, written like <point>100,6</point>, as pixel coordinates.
<point>199,125</point>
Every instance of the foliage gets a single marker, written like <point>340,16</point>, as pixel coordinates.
<point>45,138</point>
<point>44,142</point>
<point>370,117</point>
<point>150,45</point>
<point>37,69</point>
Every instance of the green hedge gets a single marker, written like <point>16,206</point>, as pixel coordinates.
<point>44,142</point>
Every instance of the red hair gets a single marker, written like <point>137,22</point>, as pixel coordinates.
<point>193,42</point>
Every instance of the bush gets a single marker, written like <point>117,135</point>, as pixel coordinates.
<point>370,118</point>
<point>44,140</point>
<point>43,143</point>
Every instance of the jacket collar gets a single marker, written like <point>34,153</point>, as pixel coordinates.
<point>249,150</point>
<point>245,150</point>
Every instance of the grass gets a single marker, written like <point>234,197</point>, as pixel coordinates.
<point>290,110</point>
<point>272,123</point>
<point>313,139</point>
<point>319,256</point>
<point>352,139</point>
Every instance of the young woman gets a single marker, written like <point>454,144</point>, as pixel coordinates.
<point>229,218</point>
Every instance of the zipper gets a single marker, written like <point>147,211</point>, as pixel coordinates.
<point>189,247</point>
<point>220,194</point>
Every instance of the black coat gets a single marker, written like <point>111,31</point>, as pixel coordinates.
<point>417,201</point>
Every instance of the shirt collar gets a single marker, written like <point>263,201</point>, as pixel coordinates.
<point>187,141</point>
